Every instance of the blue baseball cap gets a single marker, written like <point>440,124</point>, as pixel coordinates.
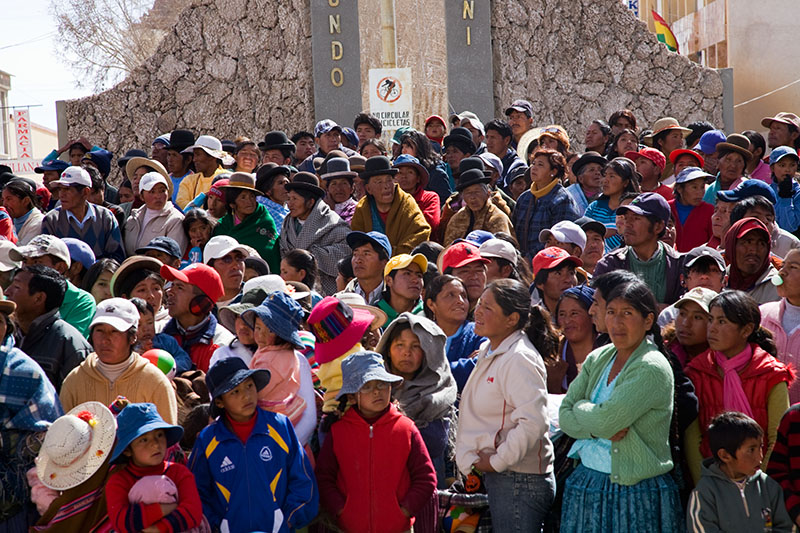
<point>80,251</point>
<point>136,420</point>
<point>162,244</point>
<point>709,140</point>
<point>746,189</point>
<point>478,236</point>
<point>56,164</point>
<point>358,238</point>
<point>649,204</point>
<point>782,151</point>
<point>280,313</point>
<point>350,135</point>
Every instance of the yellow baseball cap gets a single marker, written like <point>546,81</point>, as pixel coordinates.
<point>403,260</point>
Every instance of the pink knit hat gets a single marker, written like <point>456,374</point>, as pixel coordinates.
<point>337,327</point>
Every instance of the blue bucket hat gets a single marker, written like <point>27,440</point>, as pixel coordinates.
<point>746,189</point>
<point>280,313</point>
<point>136,420</point>
<point>227,374</point>
<point>361,367</point>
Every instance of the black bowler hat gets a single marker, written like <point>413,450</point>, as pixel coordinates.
<point>461,138</point>
<point>470,177</point>
<point>180,140</point>
<point>306,181</point>
<point>130,154</point>
<point>587,158</point>
<point>378,165</point>
<point>276,140</point>
<point>473,163</point>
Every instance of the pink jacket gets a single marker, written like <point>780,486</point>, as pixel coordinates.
<point>788,345</point>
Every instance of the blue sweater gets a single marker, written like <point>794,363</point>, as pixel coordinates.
<point>532,215</point>
<point>458,348</point>
<point>100,231</point>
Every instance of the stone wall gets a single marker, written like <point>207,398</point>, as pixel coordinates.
<point>579,60</point>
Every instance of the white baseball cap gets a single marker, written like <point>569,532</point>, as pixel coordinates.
<point>565,231</point>
<point>6,263</point>
<point>699,295</point>
<point>220,246</point>
<point>118,313</point>
<point>500,249</point>
<point>39,246</point>
<point>150,180</point>
<point>73,176</point>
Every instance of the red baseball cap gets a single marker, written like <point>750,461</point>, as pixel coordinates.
<point>200,275</point>
<point>649,153</point>
<point>552,257</point>
<point>460,254</point>
<point>675,154</point>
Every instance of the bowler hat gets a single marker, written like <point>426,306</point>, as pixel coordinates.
<point>736,143</point>
<point>180,140</point>
<point>122,161</point>
<point>461,138</point>
<point>587,158</point>
<point>378,165</point>
<point>266,174</point>
<point>276,140</point>
<point>471,177</point>
<point>306,181</point>
<point>338,167</point>
<point>473,163</point>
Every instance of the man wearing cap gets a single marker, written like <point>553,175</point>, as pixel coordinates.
<point>81,259</point>
<point>79,219</point>
<point>644,254</point>
<point>566,235</point>
<point>164,249</point>
<point>471,122</point>
<point>101,160</point>
<point>554,271</point>
<point>703,267</point>
<point>595,243</point>
<point>157,217</point>
<point>502,258</point>
<point>458,146</point>
<point>276,148</point>
<point>190,299</point>
<point>463,260</point>
<point>225,255</point>
<point>338,181</point>
<point>19,199</point>
<point>707,146</point>
<point>651,163</point>
<point>178,163</point>
<point>668,135</point>
<point>733,156</point>
<point>371,253</point>
<point>78,306</point>
<point>404,285</point>
<point>50,172</point>
<point>747,252</point>
<point>761,207</point>
<point>784,130</point>
<point>159,147</point>
<point>328,136</point>
<point>479,212</point>
<point>208,158</point>
<point>388,209</point>
<point>520,118</point>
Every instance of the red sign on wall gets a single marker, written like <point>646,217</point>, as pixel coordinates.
<point>22,124</point>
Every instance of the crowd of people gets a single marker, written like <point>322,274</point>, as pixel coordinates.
<point>468,327</point>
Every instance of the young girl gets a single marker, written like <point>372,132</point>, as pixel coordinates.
<point>691,214</point>
<point>142,441</point>
<point>300,265</point>
<point>739,372</point>
<point>276,324</point>
<point>198,226</point>
<point>619,177</point>
<point>373,470</point>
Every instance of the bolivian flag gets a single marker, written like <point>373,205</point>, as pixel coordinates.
<point>665,34</point>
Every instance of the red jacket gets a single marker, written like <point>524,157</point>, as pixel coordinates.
<point>428,202</point>
<point>697,230</point>
<point>758,378</point>
<point>369,471</point>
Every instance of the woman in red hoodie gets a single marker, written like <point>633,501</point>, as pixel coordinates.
<point>739,372</point>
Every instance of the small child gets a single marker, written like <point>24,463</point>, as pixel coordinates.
<point>373,470</point>
<point>733,494</point>
<point>148,339</point>
<point>691,214</point>
<point>276,324</point>
<point>783,162</point>
<point>251,470</point>
<point>142,441</point>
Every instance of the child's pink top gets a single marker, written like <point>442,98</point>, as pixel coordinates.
<point>281,395</point>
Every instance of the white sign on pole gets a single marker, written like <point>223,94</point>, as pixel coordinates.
<point>22,124</point>
<point>390,98</point>
<point>22,166</point>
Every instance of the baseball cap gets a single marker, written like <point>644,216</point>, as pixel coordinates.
<point>565,231</point>
<point>709,140</point>
<point>691,174</point>
<point>118,313</point>
<point>150,180</point>
<point>6,263</point>
<point>73,176</point>
<point>220,246</point>
<point>39,246</point>
<point>552,257</point>
<point>699,295</point>
<point>652,154</point>
<point>746,189</point>
<point>790,119</point>
<point>458,255</point>
<point>498,248</point>
<point>55,164</point>
<point>324,126</point>
<point>523,106</point>
<point>479,236</point>
<point>401,261</point>
<point>161,244</point>
<point>590,224</point>
<point>649,204</point>
<point>780,152</point>
<point>80,251</point>
<point>675,154</point>
<point>695,254</point>
<point>200,275</point>
<point>358,238</point>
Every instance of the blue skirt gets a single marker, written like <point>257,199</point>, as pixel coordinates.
<point>593,503</point>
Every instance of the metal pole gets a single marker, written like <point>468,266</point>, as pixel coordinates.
<point>388,39</point>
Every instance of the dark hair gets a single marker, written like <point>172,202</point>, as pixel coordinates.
<point>232,193</point>
<point>49,281</point>
<point>345,267</point>
<point>605,283</point>
<point>751,202</point>
<point>522,269</point>
<point>128,283</point>
<point>757,140</point>
<point>22,189</point>
<point>127,184</point>
<point>370,120</point>
<point>430,249</point>
<point>555,160</point>
<point>500,126</point>
<point>542,276</point>
<point>98,183</point>
<point>740,308</point>
<point>612,146</point>
<point>541,332</point>
<point>435,287</point>
<point>197,214</point>
<point>106,264</point>
<point>728,431</point>
<point>702,265</point>
<point>626,169</point>
<point>300,259</point>
<point>241,143</point>
<point>377,143</point>
<point>422,146</point>
<point>622,113</point>
<point>142,306</point>
<point>301,135</point>
<point>698,129</point>
<point>605,129</point>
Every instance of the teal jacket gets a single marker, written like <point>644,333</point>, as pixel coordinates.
<point>641,401</point>
<point>257,230</point>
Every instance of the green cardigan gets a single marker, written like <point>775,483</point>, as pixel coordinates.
<point>641,401</point>
<point>257,230</point>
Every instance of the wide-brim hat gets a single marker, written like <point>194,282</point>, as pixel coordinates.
<point>405,160</point>
<point>180,140</point>
<point>360,368</point>
<point>276,140</point>
<point>130,154</point>
<point>242,180</point>
<point>305,181</point>
<point>790,119</point>
<point>128,267</point>
<point>356,301</point>
<point>76,446</point>
<point>135,420</point>
<point>337,327</point>
<point>471,177</point>
<point>250,299</point>
<point>664,124</point>
<point>136,162</point>
<point>338,167</point>
<point>280,313</point>
<point>736,143</point>
<point>229,373</point>
<point>525,141</point>
<point>212,146</point>
<point>378,165</point>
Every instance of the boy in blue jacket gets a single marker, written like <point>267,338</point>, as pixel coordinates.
<point>251,470</point>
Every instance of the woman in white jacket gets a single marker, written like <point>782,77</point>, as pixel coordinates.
<point>157,217</point>
<point>21,202</point>
<point>503,423</point>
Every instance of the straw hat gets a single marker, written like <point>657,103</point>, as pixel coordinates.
<point>136,162</point>
<point>667,123</point>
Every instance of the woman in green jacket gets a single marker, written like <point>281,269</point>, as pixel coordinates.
<point>619,409</point>
<point>248,221</point>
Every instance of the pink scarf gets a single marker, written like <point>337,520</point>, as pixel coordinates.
<point>734,398</point>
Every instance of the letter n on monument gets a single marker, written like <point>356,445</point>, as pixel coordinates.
<point>336,60</point>
<point>469,56</point>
